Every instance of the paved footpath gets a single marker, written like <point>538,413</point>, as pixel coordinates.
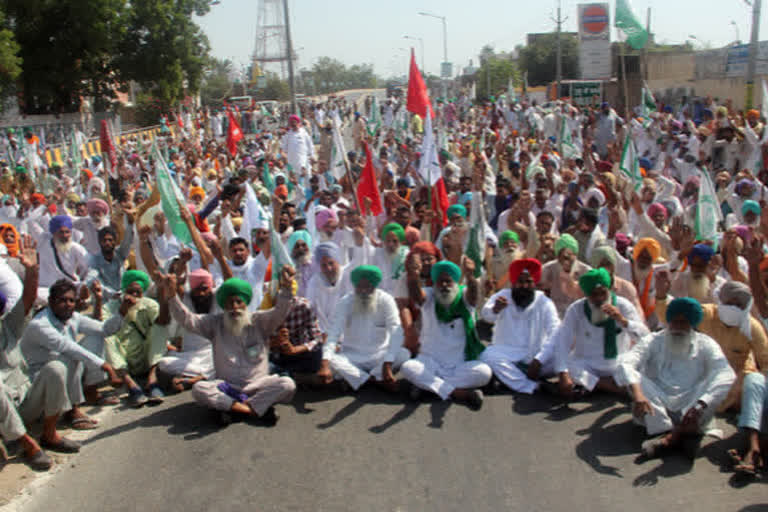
<point>374,452</point>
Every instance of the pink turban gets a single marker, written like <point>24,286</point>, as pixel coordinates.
<point>200,277</point>
<point>97,206</point>
<point>294,117</point>
<point>412,235</point>
<point>324,216</point>
<point>656,208</point>
<point>622,242</point>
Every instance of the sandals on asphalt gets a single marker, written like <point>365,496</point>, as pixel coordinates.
<point>749,467</point>
<point>63,446</point>
<point>84,423</point>
<point>105,400</point>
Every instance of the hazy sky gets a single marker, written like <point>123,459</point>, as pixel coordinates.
<point>365,31</point>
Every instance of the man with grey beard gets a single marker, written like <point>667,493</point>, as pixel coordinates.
<point>240,342</point>
<point>60,256</point>
<point>677,378</point>
<point>365,340</point>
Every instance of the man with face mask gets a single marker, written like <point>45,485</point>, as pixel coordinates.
<point>595,331</point>
<point>192,360</point>
<point>448,364</point>
<point>559,278</point>
<point>696,281</point>
<point>366,326</point>
<point>677,378</point>
<point>524,320</point>
<point>730,323</point>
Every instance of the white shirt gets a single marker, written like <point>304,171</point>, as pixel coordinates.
<point>324,297</point>
<point>522,332</point>
<point>440,341</point>
<point>298,148</point>
<point>252,271</point>
<point>75,263</point>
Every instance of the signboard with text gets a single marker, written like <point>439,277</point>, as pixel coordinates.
<point>594,41</point>
<point>586,93</point>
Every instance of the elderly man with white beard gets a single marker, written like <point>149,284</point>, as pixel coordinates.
<point>730,323</point>
<point>60,257</point>
<point>447,363</point>
<point>525,319</point>
<point>696,282</point>
<point>365,340</point>
<point>89,226</point>
<point>594,332</point>
<point>299,246</point>
<point>326,287</point>
<point>240,342</point>
<point>390,258</point>
<point>677,379</point>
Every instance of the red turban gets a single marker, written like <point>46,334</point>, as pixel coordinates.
<point>39,198</point>
<point>517,267</point>
<point>604,166</point>
<point>423,247</point>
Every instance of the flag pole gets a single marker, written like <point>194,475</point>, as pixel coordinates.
<point>429,187</point>
<point>624,79</point>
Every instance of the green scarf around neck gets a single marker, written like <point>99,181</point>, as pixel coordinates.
<point>473,347</point>
<point>610,330</point>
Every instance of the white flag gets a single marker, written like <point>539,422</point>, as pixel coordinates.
<point>338,166</point>
<point>630,164</point>
<point>254,215</point>
<point>708,213</point>
<point>429,165</point>
<point>764,107</point>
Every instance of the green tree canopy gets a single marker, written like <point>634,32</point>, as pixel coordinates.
<point>540,58</point>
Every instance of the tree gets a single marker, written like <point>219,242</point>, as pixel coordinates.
<point>501,68</point>
<point>275,89</point>
<point>540,58</point>
<point>10,62</point>
<point>217,84</point>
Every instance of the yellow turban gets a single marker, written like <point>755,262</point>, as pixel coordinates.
<point>652,246</point>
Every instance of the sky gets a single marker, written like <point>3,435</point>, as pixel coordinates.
<point>371,32</point>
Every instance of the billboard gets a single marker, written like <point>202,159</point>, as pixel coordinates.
<point>594,41</point>
<point>738,58</point>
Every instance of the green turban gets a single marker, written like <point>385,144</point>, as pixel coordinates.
<point>21,169</point>
<point>751,206</point>
<point>370,273</point>
<point>135,276</point>
<point>688,307</point>
<point>393,227</point>
<point>566,241</point>
<point>457,209</point>
<point>445,266</point>
<point>602,253</point>
<point>234,286</point>
<point>508,235</point>
<point>594,278</point>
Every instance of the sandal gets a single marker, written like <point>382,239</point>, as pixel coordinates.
<point>749,468</point>
<point>735,456</point>
<point>105,400</point>
<point>84,423</point>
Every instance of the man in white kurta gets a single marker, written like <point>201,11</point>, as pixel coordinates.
<point>248,268</point>
<point>677,377</point>
<point>369,323</point>
<point>447,363</point>
<point>327,287</point>
<point>297,146</point>
<point>586,350</point>
<point>524,320</point>
<point>60,257</point>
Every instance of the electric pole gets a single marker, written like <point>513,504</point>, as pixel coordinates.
<point>289,47</point>
<point>753,48</point>
<point>559,66</point>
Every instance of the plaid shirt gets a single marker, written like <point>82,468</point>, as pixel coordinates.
<point>302,323</point>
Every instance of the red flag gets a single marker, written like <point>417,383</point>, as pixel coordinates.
<point>367,186</point>
<point>440,203</point>
<point>418,98</point>
<point>234,134</point>
<point>107,146</point>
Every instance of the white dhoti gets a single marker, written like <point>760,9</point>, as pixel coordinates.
<point>427,373</point>
<point>189,364</point>
<point>357,369</point>
<point>505,369</point>
<point>665,418</point>
<point>585,373</point>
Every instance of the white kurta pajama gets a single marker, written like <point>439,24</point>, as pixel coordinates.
<point>674,379</point>
<point>369,340</point>
<point>579,345</point>
<point>441,366</point>
<point>325,297</point>
<point>520,336</point>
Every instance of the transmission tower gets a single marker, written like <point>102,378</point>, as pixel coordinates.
<point>271,49</point>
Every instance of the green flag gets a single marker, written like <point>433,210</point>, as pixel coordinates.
<point>708,213</point>
<point>170,196</point>
<point>627,22</point>
<point>568,149</point>
<point>269,182</point>
<point>476,244</point>
<point>630,164</point>
<point>279,253</point>
<point>648,106</point>
<point>534,168</point>
<point>77,154</point>
<point>374,118</point>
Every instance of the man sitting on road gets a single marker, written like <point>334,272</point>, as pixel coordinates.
<point>447,363</point>
<point>240,341</point>
<point>365,341</point>
<point>525,319</point>
<point>595,331</point>
<point>677,378</point>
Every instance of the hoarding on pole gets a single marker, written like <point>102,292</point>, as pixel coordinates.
<point>594,41</point>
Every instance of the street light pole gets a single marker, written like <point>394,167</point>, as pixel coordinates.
<point>289,47</point>
<point>752,65</point>
<point>445,47</point>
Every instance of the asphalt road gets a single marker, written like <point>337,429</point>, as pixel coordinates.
<point>375,452</point>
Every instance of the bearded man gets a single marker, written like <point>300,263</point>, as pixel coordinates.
<point>677,379</point>
<point>644,254</point>
<point>90,226</point>
<point>366,325</point>
<point>425,254</point>
<point>559,278</point>
<point>299,246</point>
<point>731,324</point>
<point>507,252</point>
<point>326,287</point>
<point>524,320</point>
<point>240,342</point>
<point>447,363</point>
<point>60,256</point>
<point>192,359</point>
<point>390,259</point>
<point>695,282</point>
<point>595,331</point>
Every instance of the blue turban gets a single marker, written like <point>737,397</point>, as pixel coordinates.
<point>703,251</point>
<point>646,164</point>
<point>688,307</point>
<point>301,234</point>
<point>465,198</point>
<point>58,222</point>
<point>457,209</point>
<point>751,206</point>
<point>445,266</point>
<point>336,188</point>
<point>327,249</point>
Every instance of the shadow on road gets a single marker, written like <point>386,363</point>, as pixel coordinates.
<point>187,419</point>
<point>367,395</point>
<point>671,466</point>
<point>604,440</point>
